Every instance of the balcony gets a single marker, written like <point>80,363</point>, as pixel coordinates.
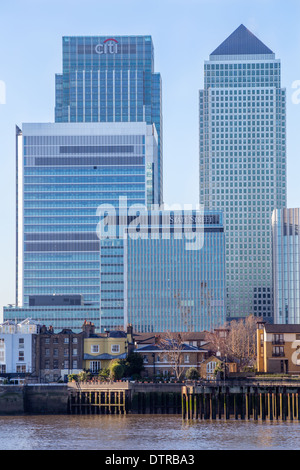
<point>278,354</point>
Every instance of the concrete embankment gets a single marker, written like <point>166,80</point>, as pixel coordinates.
<point>34,399</point>
<point>272,401</point>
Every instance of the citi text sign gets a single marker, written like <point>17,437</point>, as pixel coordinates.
<point>109,46</point>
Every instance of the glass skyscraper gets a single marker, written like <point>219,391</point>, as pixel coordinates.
<point>110,79</point>
<point>65,172</point>
<point>286,265</point>
<point>104,147</point>
<point>174,271</point>
<point>243,162</point>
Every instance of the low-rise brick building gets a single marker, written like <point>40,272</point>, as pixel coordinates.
<point>278,348</point>
<point>58,354</point>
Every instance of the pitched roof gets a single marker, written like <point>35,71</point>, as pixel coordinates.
<point>278,328</point>
<point>161,347</point>
<point>186,336</point>
<point>241,41</point>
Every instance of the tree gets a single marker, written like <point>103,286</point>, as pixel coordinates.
<point>133,365</point>
<point>116,369</point>
<point>242,341</point>
<point>192,373</point>
<point>239,342</point>
<point>172,346</point>
<point>84,376</point>
<point>104,374</point>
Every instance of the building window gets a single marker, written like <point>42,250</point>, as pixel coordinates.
<point>21,342</point>
<point>21,369</point>
<point>74,365</point>
<point>74,352</point>
<point>278,339</point>
<point>210,367</point>
<point>75,340</point>
<point>186,358</point>
<point>66,340</point>
<point>95,366</point>
<point>145,359</point>
<point>66,352</point>
<point>21,356</point>
<point>115,348</point>
<point>278,351</point>
<point>2,350</point>
<point>95,348</point>
<point>55,364</point>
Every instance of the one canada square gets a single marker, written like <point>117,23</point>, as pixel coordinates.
<point>242,130</point>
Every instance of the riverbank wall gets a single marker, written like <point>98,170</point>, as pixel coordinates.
<point>34,399</point>
<point>241,400</point>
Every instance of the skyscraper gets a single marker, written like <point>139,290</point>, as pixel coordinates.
<point>174,270</point>
<point>243,162</point>
<point>65,172</point>
<point>104,146</point>
<point>286,265</point>
<point>110,79</point>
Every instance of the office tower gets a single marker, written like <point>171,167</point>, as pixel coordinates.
<point>56,311</point>
<point>243,162</point>
<point>65,172</point>
<point>286,265</point>
<point>174,270</point>
<point>110,79</point>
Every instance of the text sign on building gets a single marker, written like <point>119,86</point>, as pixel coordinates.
<point>195,219</point>
<point>109,46</point>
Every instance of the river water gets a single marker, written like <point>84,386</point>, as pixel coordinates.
<point>143,432</point>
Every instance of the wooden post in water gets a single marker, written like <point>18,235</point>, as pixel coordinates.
<point>247,411</point>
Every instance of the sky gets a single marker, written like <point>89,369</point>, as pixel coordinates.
<point>184,33</point>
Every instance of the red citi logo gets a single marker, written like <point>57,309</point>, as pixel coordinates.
<point>109,46</point>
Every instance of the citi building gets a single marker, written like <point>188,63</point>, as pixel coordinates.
<point>104,146</point>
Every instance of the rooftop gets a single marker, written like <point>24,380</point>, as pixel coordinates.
<point>242,42</point>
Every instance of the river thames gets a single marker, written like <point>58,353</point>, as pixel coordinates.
<point>143,432</point>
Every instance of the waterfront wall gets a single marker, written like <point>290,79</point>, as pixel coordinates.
<point>33,399</point>
<point>244,402</point>
<point>252,401</point>
<point>125,397</point>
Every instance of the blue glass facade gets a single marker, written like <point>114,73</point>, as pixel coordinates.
<point>65,172</point>
<point>175,272</point>
<point>110,79</point>
<point>58,317</point>
<point>286,265</point>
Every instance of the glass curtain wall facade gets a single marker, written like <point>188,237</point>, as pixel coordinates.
<point>110,79</point>
<point>175,272</point>
<point>59,317</point>
<point>242,111</point>
<point>64,173</point>
<point>286,265</point>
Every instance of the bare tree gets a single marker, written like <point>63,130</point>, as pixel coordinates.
<point>238,341</point>
<point>241,341</point>
<point>172,351</point>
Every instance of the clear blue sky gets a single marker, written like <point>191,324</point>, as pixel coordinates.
<point>184,33</point>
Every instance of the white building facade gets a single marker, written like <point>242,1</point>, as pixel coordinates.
<point>17,346</point>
